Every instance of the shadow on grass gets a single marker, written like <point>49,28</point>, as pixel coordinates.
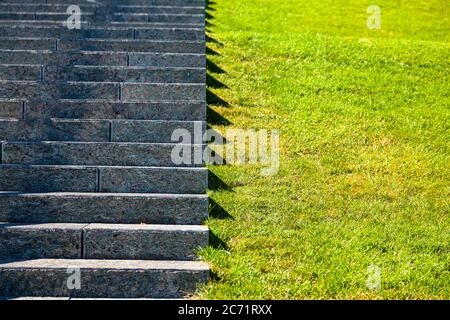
<point>216,211</point>
<point>216,184</point>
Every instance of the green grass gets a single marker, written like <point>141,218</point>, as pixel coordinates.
<point>364,177</point>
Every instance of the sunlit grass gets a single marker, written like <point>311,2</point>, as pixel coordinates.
<point>364,177</point>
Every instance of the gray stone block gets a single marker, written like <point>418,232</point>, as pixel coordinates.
<point>28,241</point>
<point>102,278</point>
<point>11,109</point>
<point>63,58</point>
<point>62,32</point>
<point>167,60</point>
<point>133,45</point>
<point>153,179</point>
<point>170,34</point>
<point>140,92</point>
<point>154,130</point>
<point>124,74</point>
<point>20,72</point>
<point>144,242</point>
<point>27,43</point>
<point>90,153</point>
<point>25,178</point>
<point>183,110</point>
<point>59,90</point>
<point>160,10</point>
<point>103,208</point>
<point>54,130</point>
<point>181,18</point>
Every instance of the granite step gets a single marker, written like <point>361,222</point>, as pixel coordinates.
<point>113,179</point>
<point>32,241</point>
<point>92,17</point>
<point>126,208</point>
<point>94,153</point>
<point>143,242</point>
<point>87,109</point>
<point>121,45</point>
<point>145,46</point>
<point>102,58</point>
<point>103,24</point>
<point>89,130</point>
<point>99,9</point>
<point>55,129</point>
<point>60,32</point>
<point>127,92</point>
<point>102,278</point>
<point>196,3</point>
<point>101,241</point>
<point>111,74</point>
<point>24,72</point>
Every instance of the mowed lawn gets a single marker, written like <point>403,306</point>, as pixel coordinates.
<point>364,117</point>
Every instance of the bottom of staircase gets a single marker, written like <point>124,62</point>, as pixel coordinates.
<point>132,279</point>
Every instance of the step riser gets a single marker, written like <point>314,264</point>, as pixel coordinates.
<point>97,208</point>
<point>188,111</point>
<point>104,74</point>
<point>195,3</point>
<point>128,46</point>
<point>196,47</point>
<point>37,242</point>
<point>64,33</point>
<point>103,59</point>
<point>118,17</point>
<point>55,131</point>
<point>96,130</point>
<point>102,24</point>
<point>99,282</point>
<point>103,179</point>
<point>132,242</point>
<point>92,154</point>
<point>101,74</point>
<point>11,109</point>
<point>131,92</point>
<point>52,8</point>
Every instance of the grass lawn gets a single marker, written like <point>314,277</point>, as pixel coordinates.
<point>364,177</point>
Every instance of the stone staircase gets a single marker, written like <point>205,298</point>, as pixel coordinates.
<point>86,177</point>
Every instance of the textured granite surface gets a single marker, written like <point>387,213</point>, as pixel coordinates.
<point>11,109</point>
<point>47,178</point>
<point>159,180</point>
<point>146,242</point>
<point>115,74</point>
<point>139,92</point>
<point>182,110</point>
<point>102,279</point>
<point>56,130</point>
<point>40,241</point>
<point>133,45</point>
<point>103,208</point>
<point>93,153</point>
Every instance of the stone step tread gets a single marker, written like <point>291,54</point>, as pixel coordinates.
<point>93,153</point>
<point>118,45</point>
<point>99,24</point>
<point>104,33</point>
<point>99,110</point>
<point>91,130</point>
<point>102,59</point>
<point>76,207</point>
<point>133,74</point>
<point>101,241</point>
<point>102,278</point>
<point>110,179</point>
<point>95,264</point>
<point>122,2</point>
<point>126,91</point>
